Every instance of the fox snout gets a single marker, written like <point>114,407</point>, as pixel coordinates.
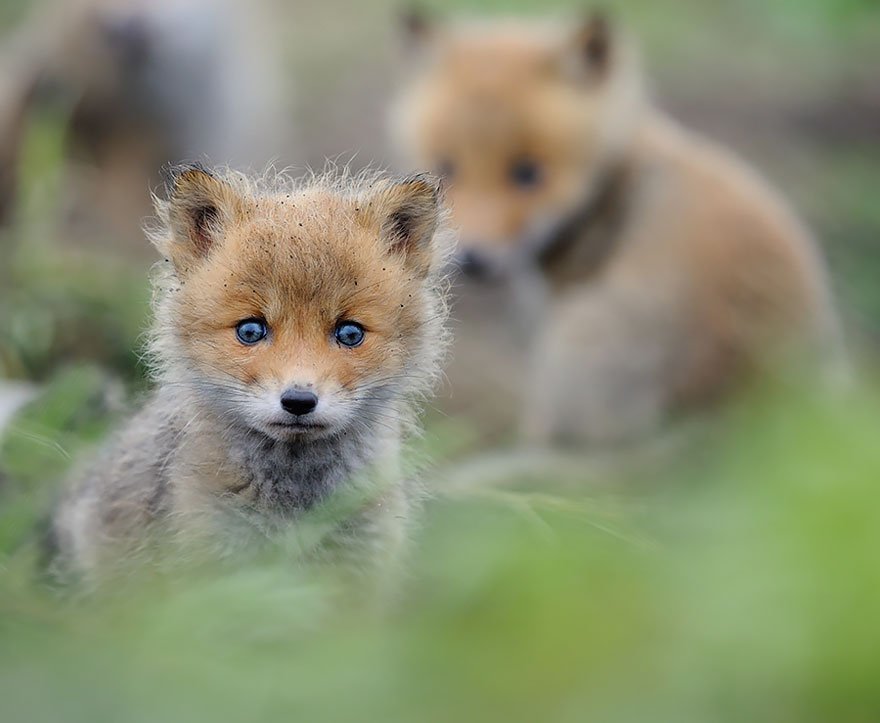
<point>473,264</point>
<point>484,265</point>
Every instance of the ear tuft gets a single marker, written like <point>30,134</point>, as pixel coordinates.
<point>418,198</point>
<point>417,26</point>
<point>204,220</point>
<point>199,205</point>
<point>407,213</point>
<point>595,42</point>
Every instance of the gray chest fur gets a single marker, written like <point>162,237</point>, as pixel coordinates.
<point>284,478</point>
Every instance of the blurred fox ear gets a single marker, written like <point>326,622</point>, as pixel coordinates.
<point>594,43</point>
<point>407,213</point>
<point>417,27</point>
<point>199,206</point>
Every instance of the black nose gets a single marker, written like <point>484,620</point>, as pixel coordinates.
<point>297,401</point>
<point>473,265</point>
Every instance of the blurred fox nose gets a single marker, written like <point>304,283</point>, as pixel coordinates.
<point>472,264</point>
<point>298,401</point>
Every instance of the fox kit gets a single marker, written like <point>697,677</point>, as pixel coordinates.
<point>296,327</point>
<point>651,268</point>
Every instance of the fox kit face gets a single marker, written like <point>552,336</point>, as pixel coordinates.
<point>519,120</point>
<point>299,314</point>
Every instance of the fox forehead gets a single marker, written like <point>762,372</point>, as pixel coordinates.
<point>507,88</point>
<point>498,120</point>
<point>301,240</point>
<point>301,255</point>
<point>501,42</point>
<point>500,54</point>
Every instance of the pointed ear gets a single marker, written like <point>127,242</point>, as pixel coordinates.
<point>417,27</point>
<point>593,42</point>
<point>407,214</point>
<point>199,206</point>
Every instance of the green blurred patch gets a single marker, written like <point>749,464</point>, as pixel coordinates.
<point>72,413</point>
<point>72,410</point>
<point>60,304</point>
<point>841,194</point>
<point>747,591</point>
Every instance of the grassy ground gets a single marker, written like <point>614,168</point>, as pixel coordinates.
<point>742,587</point>
<point>740,584</point>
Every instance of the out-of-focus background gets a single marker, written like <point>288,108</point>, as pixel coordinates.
<point>740,585</point>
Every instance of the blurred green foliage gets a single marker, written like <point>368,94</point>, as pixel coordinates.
<point>60,303</point>
<point>745,589</point>
<point>60,309</point>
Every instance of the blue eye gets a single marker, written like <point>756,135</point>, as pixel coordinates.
<point>349,333</point>
<point>525,173</point>
<point>250,331</point>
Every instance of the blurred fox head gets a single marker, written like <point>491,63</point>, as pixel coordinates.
<point>301,311</point>
<point>521,120</point>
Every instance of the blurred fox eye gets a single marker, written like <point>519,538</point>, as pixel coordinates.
<point>349,333</point>
<point>525,173</point>
<point>250,331</point>
<point>446,169</point>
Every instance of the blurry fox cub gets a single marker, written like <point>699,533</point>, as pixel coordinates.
<point>668,270</point>
<point>297,325</point>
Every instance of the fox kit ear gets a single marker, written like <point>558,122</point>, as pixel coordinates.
<point>594,43</point>
<point>407,213</point>
<point>199,205</point>
<point>416,26</point>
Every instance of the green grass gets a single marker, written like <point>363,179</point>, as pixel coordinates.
<point>61,303</point>
<point>744,590</point>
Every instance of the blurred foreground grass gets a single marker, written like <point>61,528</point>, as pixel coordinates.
<point>740,587</point>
